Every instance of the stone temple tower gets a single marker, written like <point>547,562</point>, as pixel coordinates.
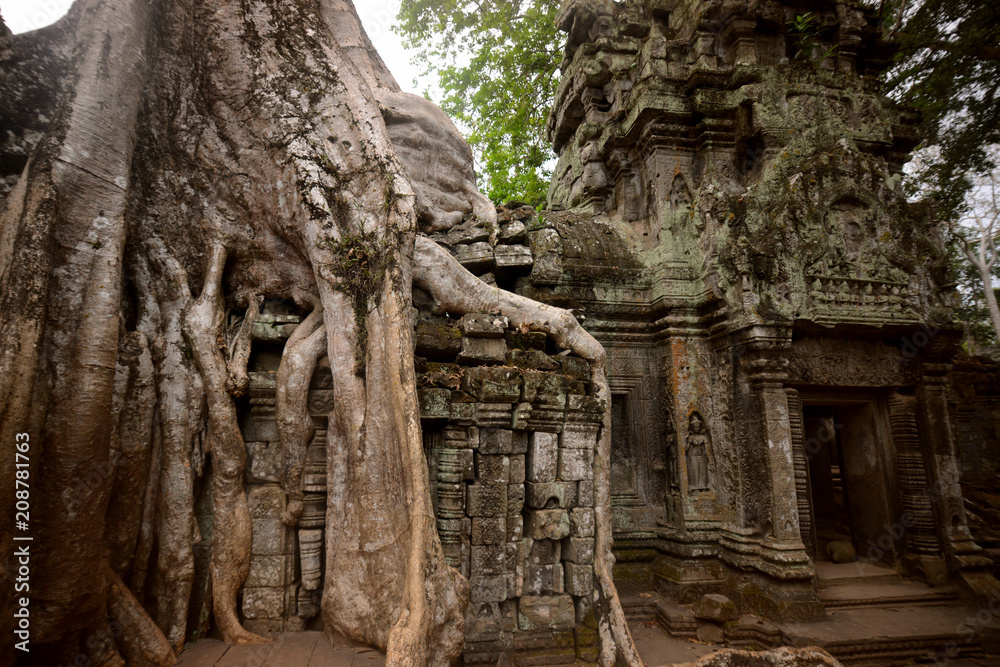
<point>775,312</point>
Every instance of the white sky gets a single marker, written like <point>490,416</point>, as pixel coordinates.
<point>376,15</point>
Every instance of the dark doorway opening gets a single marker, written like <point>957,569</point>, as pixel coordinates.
<point>830,505</point>
<point>847,447</point>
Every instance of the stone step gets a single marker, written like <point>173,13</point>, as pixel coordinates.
<point>878,594</point>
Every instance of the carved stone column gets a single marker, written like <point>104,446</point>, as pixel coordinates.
<point>941,458</point>
<point>800,461</point>
<point>922,543</point>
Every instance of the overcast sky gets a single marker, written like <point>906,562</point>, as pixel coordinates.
<point>377,16</point>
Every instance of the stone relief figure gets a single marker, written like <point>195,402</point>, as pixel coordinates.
<point>697,455</point>
<point>680,194</point>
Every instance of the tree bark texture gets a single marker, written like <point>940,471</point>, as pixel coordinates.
<point>196,157</point>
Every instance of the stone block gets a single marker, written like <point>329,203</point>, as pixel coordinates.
<point>266,461</point>
<point>495,441</point>
<point>441,375</point>
<point>585,494</point>
<point>263,428</point>
<point>516,469</point>
<point>269,537</point>
<point>492,384</point>
<point>488,588</point>
<point>549,388</point>
<point>710,633</point>
<point>535,612</point>
<point>434,403</point>
<point>579,579</point>
<point>513,232</point>
<point>532,360</point>
<point>543,457</point>
<point>515,499</point>
<point>488,559</point>
<point>437,341</point>
<point>579,550</point>
<point>468,462</point>
<point>550,495</point>
<point>512,258</point>
<point>549,524</point>
<point>576,464</point>
<point>482,621</point>
<point>265,626</point>
<point>715,607</point>
<point>482,351</point>
<point>266,501</point>
<point>492,468</point>
<point>268,571</point>
<point>264,602</point>
<point>476,257</point>
<point>532,340</point>
<point>481,325</point>
<point>545,552</point>
<point>580,436</point>
<point>519,443</point>
<point>486,500</point>
<point>515,528</point>
<point>543,579</point>
<point>488,530</point>
<point>582,521</point>
<point>575,367</point>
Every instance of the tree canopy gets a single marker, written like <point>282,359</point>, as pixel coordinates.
<point>497,66</point>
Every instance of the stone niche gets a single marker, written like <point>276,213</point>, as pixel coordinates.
<point>510,432</point>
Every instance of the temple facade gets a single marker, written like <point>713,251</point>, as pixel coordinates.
<point>727,218</point>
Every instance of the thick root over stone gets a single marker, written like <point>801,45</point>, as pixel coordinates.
<point>456,290</point>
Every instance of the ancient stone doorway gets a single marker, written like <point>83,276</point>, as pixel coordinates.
<point>848,447</point>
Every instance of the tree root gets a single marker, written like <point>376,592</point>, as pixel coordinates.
<point>455,290</point>
<point>304,348</point>
<point>139,639</point>
<point>203,321</point>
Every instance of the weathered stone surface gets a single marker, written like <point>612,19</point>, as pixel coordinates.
<point>513,232</point>
<point>781,657</point>
<point>476,257</point>
<point>488,559</point>
<point>582,520</point>
<point>437,341</point>
<point>715,607</point>
<point>543,579</point>
<point>493,468</point>
<point>488,588</point>
<point>266,461</point>
<point>575,367</point>
<point>512,257</point>
<point>545,552</point>
<point>263,602</point>
<point>488,530</point>
<point>711,633</point>
<point>480,325</point>
<point>270,571</point>
<point>532,360</point>
<point>579,578</point>
<point>579,550</point>
<point>542,612</point>
<point>492,384</point>
<point>550,495</point>
<point>435,403</point>
<point>517,469</point>
<point>550,524</point>
<point>585,494</point>
<point>576,464</point>
<point>496,441</point>
<point>543,457</point>
<point>515,499</point>
<point>515,528</point>
<point>487,500</point>
<point>270,537</point>
<point>482,351</point>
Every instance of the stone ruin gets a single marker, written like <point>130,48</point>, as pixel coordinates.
<point>727,219</point>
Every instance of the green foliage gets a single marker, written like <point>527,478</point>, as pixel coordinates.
<point>806,30</point>
<point>948,67</point>
<point>497,66</point>
<point>972,311</point>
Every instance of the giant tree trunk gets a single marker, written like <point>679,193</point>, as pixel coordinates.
<point>196,156</point>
